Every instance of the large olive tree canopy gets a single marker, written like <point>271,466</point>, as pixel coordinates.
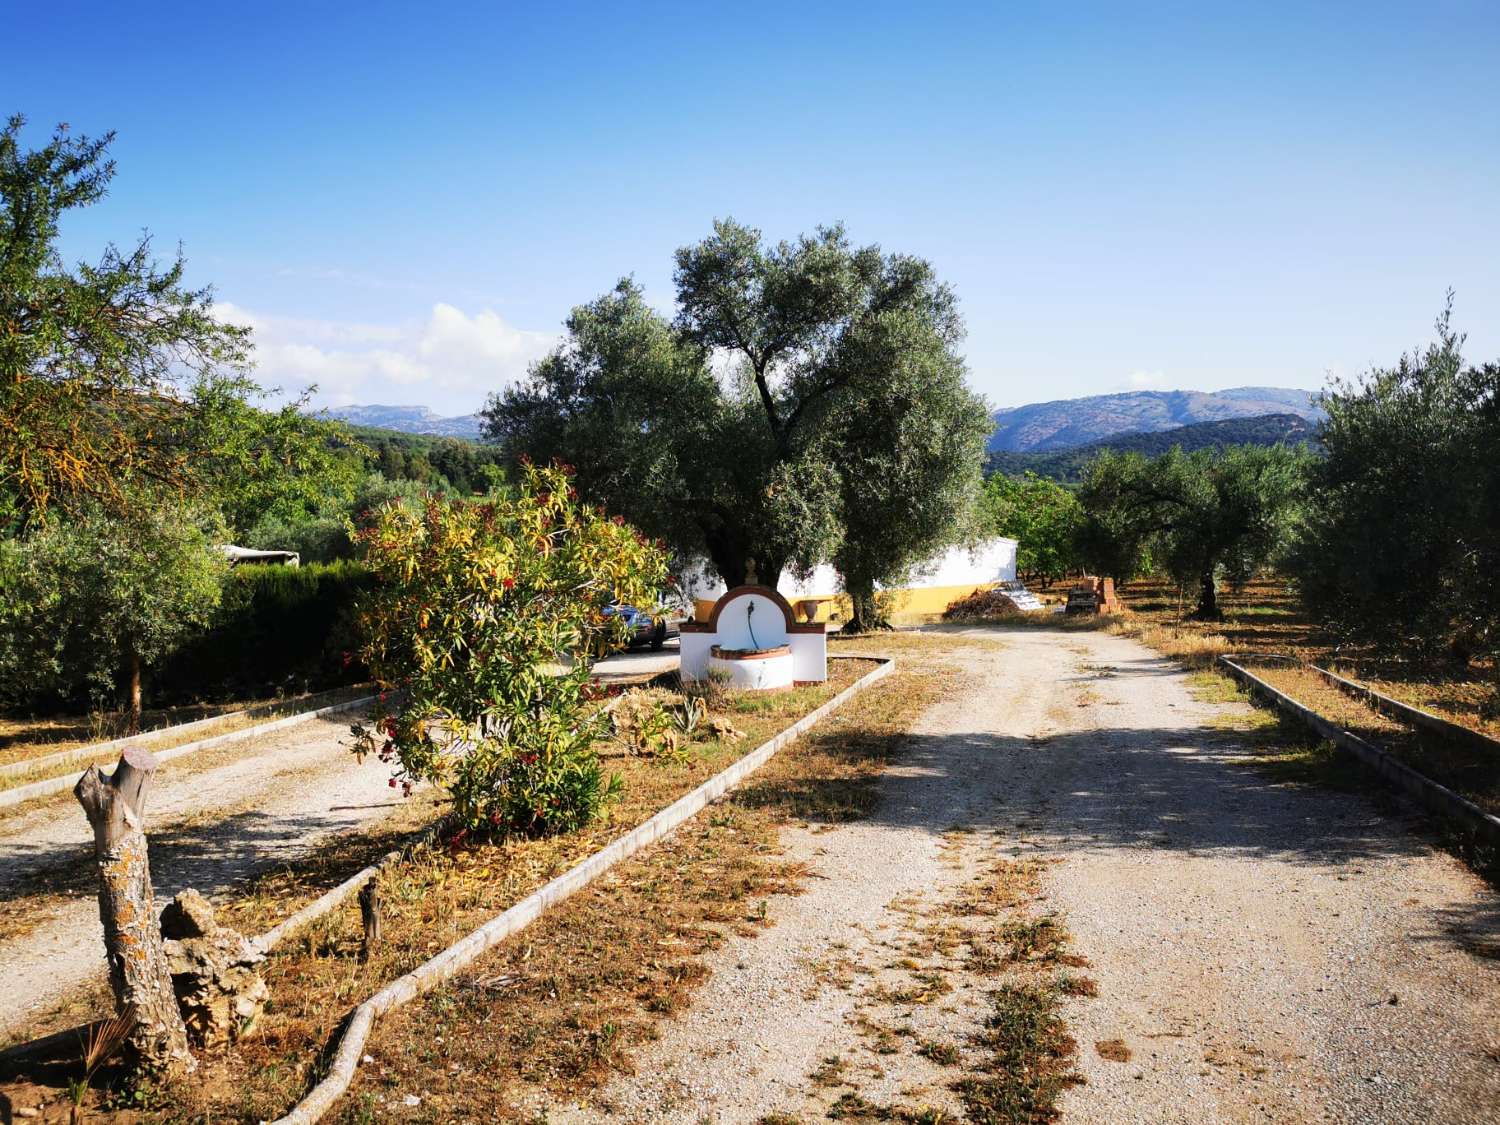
<point>771,417</point>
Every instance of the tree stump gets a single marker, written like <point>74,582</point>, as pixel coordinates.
<point>219,989</point>
<point>369,910</point>
<point>138,970</point>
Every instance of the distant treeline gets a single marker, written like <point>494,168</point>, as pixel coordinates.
<point>1068,465</point>
<point>464,466</point>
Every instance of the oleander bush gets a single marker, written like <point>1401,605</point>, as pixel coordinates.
<point>477,631</point>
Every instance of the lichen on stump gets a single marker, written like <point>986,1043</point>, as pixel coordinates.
<point>218,988</point>
<point>138,971</point>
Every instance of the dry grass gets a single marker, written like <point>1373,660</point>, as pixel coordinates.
<point>1023,1054</point>
<point>1264,620</point>
<point>550,1013</point>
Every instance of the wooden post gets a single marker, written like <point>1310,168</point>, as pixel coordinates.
<point>138,972</point>
<point>369,910</point>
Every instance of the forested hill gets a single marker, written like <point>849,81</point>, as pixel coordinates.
<point>1080,421</point>
<point>430,460</point>
<point>1068,464</point>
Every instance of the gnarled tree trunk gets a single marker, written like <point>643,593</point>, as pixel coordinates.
<point>1208,597</point>
<point>138,969</point>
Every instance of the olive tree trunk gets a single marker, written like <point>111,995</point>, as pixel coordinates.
<point>133,694</point>
<point>138,971</point>
<point>1208,597</point>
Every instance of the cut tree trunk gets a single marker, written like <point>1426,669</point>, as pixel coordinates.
<point>138,970</point>
<point>370,910</point>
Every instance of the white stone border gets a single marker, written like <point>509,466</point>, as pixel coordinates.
<point>468,949</point>
<point>48,786</point>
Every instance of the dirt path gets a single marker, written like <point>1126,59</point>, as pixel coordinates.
<point>214,821</point>
<point>1265,952</point>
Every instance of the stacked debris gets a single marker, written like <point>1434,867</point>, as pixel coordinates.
<point>1093,595</point>
<point>982,604</point>
<point>1025,600</point>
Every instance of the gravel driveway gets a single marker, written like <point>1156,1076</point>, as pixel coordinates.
<point>213,820</point>
<point>1265,952</point>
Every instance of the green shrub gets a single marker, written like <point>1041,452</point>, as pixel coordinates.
<point>278,628</point>
<point>477,601</point>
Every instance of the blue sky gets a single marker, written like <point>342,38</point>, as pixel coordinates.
<point>405,200</point>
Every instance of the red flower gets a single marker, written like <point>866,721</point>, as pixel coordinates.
<point>525,459</point>
<point>619,520</point>
<point>508,583</point>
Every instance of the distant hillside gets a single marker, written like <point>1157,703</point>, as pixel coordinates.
<point>409,420</point>
<point>1068,423</point>
<point>1068,464</point>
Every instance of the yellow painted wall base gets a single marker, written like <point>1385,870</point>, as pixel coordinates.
<point>919,606</point>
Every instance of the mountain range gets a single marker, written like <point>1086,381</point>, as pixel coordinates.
<point>1065,424</point>
<point>1068,465</point>
<point>409,420</point>
<point>1069,423</point>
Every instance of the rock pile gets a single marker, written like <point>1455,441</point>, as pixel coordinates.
<point>220,991</point>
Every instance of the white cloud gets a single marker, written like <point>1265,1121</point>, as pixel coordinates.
<point>449,361</point>
<point>1148,380</point>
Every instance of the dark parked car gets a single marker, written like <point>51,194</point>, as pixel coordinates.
<point>644,627</point>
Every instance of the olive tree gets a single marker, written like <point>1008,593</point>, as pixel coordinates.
<point>1204,516</point>
<point>93,601</point>
<point>1402,541</point>
<point>713,431</point>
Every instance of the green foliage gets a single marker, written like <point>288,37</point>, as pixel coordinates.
<point>747,462</point>
<point>908,451</point>
<point>87,599</point>
<point>328,535</point>
<point>477,603</point>
<point>1203,516</point>
<point>1402,542</point>
<point>1042,516</point>
<point>117,380</point>
<point>1069,465</point>
<point>278,628</point>
<point>440,464</point>
<point>635,411</point>
<point>91,359</point>
<point>267,465</point>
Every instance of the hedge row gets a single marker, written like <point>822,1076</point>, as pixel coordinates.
<point>278,629</point>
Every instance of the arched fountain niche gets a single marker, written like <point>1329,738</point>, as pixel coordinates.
<point>752,641</point>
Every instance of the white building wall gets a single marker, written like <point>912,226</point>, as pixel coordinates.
<point>993,560</point>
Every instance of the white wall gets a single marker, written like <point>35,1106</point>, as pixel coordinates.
<point>993,560</point>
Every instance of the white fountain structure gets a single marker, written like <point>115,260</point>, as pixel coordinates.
<point>752,639</point>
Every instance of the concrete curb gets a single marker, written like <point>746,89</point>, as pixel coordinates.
<point>1409,714</point>
<point>1434,796</point>
<point>48,786</point>
<point>78,753</point>
<point>442,967</point>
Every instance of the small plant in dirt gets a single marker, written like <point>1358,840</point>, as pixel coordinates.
<point>478,603</point>
<point>648,729</point>
<point>688,715</point>
<point>713,690</point>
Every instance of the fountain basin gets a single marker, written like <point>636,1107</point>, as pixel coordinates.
<point>752,669</point>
